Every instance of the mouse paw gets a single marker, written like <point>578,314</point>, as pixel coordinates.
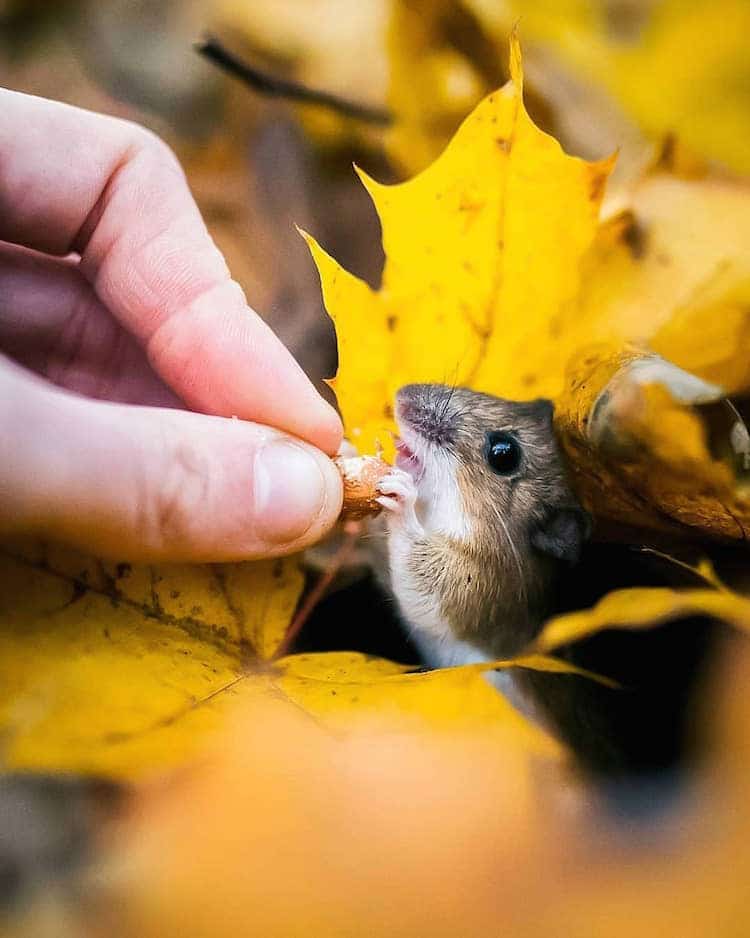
<point>399,498</point>
<point>397,490</point>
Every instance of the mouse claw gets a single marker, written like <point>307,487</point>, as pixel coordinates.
<point>398,484</point>
<point>389,503</point>
<point>399,498</point>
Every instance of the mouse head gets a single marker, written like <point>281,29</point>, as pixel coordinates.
<point>489,471</point>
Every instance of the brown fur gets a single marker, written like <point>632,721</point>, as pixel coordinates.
<point>494,588</point>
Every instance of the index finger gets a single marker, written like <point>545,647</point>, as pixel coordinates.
<point>73,181</point>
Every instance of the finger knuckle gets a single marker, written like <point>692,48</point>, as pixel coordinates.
<point>150,146</point>
<point>172,513</point>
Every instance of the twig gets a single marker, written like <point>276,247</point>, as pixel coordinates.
<point>271,86</point>
<point>352,531</point>
<point>708,575</point>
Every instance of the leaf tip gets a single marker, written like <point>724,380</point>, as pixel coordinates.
<point>320,256</point>
<point>373,187</point>
<point>516,58</point>
<point>599,173</point>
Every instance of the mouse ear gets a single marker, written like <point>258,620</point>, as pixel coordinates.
<point>561,533</point>
<point>540,409</point>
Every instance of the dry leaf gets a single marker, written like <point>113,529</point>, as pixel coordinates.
<point>449,831</point>
<point>645,607</point>
<point>481,248</point>
<point>608,74</point>
<point>434,84</point>
<point>678,66</point>
<point>123,670</point>
<point>378,832</point>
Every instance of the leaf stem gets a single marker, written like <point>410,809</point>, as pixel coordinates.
<point>352,532</point>
<point>703,571</point>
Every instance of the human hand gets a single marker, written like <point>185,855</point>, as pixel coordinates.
<point>116,310</point>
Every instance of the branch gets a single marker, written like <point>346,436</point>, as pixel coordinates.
<point>211,49</point>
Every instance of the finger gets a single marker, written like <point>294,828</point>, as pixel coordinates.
<point>115,194</point>
<point>52,322</point>
<point>144,483</point>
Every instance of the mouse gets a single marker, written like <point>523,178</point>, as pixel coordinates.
<point>481,519</point>
<point>484,535</point>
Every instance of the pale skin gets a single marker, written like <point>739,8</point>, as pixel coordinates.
<point>125,351</point>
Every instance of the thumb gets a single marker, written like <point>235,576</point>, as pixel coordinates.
<point>141,483</point>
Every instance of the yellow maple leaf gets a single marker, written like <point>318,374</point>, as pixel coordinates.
<point>500,276</point>
<point>482,250</point>
<point>121,669</point>
<point>124,671</point>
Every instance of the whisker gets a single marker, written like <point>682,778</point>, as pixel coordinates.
<point>514,552</point>
<point>447,403</point>
<point>460,414</point>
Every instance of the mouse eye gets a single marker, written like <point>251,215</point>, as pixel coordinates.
<point>503,452</point>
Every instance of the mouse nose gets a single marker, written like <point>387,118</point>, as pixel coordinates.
<point>413,401</point>
<point>407,401</point>
<point>422,407</point>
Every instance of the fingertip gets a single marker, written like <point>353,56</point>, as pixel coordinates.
<point>334,488</point>
<point>297,495</point>
<point>231,364</point>
<point>180,486</point>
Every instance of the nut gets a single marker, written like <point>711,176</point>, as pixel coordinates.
<point>361,475</point>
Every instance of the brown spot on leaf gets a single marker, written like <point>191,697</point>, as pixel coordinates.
<point>625,20</point>
<point>666,157</point>
<point>504,144</point>
<point>635,238</point>
<point>391,323</point>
